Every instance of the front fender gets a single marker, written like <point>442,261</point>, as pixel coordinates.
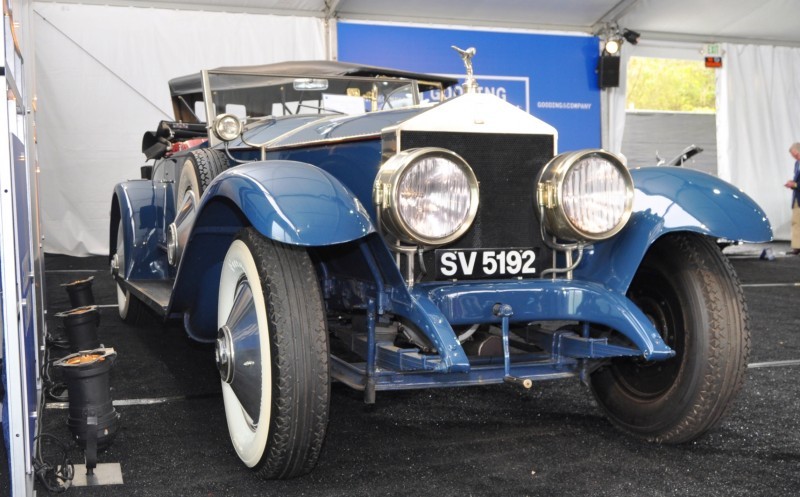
<point>670,199</point>
<point>287,201</point>
<point>292,202</point>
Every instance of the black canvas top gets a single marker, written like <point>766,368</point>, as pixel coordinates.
<point>192,84</point>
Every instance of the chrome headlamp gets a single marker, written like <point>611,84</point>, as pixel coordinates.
<point>586,195</point>
<point>426,196</point>
<point>227,127</point>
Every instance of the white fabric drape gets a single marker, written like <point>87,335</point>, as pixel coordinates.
<point>758,118</point>
<point>101,82</point>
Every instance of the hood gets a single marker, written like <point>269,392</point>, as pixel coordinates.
<point>468,113</point>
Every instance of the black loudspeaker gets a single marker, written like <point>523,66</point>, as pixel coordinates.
<point>608,71</point>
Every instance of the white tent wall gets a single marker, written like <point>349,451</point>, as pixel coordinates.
<point>758,118</point>
<point>102,73</point>
<point>101,82</point>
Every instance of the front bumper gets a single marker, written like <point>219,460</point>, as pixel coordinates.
<point>438,306</point>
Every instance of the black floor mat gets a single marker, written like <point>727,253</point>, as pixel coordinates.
<point>498,440</point>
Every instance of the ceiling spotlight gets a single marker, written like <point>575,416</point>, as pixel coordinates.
<point>612,46</point>
<point>630,36</point>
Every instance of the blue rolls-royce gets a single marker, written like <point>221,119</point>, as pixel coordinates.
<point>323,221</point>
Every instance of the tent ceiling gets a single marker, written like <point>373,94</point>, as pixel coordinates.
<point>740,21</point>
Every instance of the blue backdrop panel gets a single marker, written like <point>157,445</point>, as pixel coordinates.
<point>551,76</point>
<point>24,255</point>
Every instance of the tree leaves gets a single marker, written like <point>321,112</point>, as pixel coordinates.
<point>670,85</point>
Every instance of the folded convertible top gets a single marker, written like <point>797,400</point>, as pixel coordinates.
<point>193,84</point>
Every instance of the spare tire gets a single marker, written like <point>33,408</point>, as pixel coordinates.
<point>198,169</point>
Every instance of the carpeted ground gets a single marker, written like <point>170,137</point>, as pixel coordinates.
<point>481,441</point>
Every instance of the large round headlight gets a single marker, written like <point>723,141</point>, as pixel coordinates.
<point>426,196</point>
<point>586,195</point>
<point>227,127</point>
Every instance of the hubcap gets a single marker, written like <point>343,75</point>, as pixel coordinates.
<point>172,244</point>
<point>238,351</point>
<point>114,264</point>
<point>224,354</point>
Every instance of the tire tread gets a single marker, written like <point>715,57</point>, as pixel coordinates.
<point>299,348</point>
<point>725,373</point>
<point>723,350</point>
<point>209,164</point>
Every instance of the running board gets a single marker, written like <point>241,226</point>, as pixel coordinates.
<point>154,294</point>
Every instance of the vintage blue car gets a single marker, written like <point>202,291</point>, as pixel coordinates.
<point>324,221</point>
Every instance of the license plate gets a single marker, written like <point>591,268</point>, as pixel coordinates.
<point>486,263</point>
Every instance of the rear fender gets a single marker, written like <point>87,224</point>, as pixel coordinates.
<point>667,200</point>
<point>287,201</point>
<point>133,203</point>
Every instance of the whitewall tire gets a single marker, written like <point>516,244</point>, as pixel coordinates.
<point>272,354</point>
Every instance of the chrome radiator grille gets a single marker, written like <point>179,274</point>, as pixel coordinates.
<point>506,167</point>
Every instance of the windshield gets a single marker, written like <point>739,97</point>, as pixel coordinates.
<point>251,96</point>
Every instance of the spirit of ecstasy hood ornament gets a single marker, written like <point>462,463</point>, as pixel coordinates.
<point>470,84</point>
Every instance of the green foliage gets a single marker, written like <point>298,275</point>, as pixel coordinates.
<point>670,85</point>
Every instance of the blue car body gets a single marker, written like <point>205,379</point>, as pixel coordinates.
<point>312,186</point>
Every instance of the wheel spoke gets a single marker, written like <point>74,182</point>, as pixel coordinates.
<point>239,352</point>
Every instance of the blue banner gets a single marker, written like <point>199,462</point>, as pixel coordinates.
<point>551,76</point>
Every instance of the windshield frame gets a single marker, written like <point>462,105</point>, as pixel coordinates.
<point>210,107</point>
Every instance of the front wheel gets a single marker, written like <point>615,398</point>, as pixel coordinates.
<point>690,292</point>
<point>272,354</point>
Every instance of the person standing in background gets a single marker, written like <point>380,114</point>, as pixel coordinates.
<point>792,184</point>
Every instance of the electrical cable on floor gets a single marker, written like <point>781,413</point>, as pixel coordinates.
<point>53,389</point>
<point>55,477</point>
<point>58,341</point>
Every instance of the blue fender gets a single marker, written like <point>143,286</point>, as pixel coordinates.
<point>133,204</point>
<point>671,199</point>
<point>292,202</point>
<point>287,201</point>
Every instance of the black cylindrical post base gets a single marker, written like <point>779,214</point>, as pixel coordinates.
<point>80,292</point>
<point>92,417</point>
<point>80,325</point>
